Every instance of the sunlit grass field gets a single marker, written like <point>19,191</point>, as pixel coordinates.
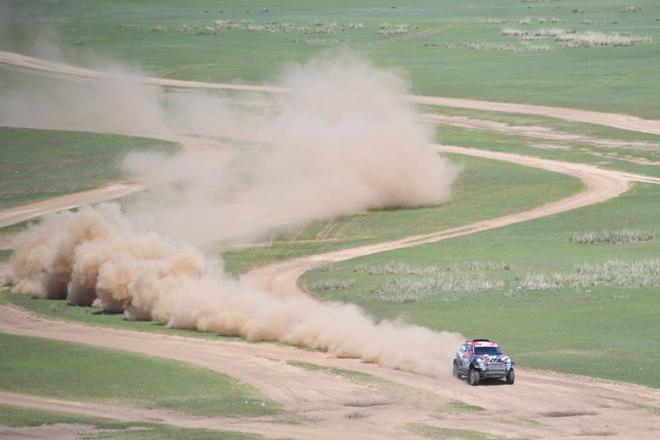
<point>447,48</point>
<point>39,164</point>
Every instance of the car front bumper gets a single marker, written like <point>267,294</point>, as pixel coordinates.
<point>493,371</point>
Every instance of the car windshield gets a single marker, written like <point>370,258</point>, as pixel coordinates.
<point>487,350</point>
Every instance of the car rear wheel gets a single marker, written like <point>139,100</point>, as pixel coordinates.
<point>454,371</point>
<point>511,377</point>
<point>473,378</point>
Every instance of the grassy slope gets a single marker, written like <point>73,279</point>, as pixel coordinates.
<point>23,417</point>
<point>485,189</point>
<point>73,371</point>
<point>600,331</point>
<point>40,164</point>
<point>610,79</point>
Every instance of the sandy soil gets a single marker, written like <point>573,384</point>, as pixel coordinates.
<point>322,405</point>
<point>615,120</point>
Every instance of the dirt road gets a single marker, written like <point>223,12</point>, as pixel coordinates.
<point>615,120</point>
<point>21,213</point>
<point>327,406</point>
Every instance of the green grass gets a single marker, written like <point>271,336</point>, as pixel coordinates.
<point>602,331</point>
<point>39,164</point>
<point>485,189</point>
<point>459,406</point>
<point>73,371</point>
<point>18,416</point>
<point>607,78</point>
<point>23,417</point>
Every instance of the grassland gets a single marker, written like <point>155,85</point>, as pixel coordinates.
<point>600,329</point>
<point>607,148</point>
<point>16,417</point>
<point>448,48</point>
<point>485,189</point>
<point>72,371</point>
<point>83,161</point>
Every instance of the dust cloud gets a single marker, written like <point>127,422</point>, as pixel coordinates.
<point>95,257</point>
<point>341,140</point>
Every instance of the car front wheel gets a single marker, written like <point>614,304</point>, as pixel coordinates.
<point>511,377</point>
<point>473,378</point>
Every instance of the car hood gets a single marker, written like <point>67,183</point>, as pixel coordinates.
<point>494,358</point>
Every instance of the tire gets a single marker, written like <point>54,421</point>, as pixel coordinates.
<point>454,371</point>
<point>511,377</point>
<point>473,378</point>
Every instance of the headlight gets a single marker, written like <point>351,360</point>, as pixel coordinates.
<point>508,364</point>
<point>481,363</point>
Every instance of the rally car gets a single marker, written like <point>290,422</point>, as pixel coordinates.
<point>479,359</point>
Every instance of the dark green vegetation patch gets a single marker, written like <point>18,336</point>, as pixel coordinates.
<point>39,164</point>
<point>73,371</point>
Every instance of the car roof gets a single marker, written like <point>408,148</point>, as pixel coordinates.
<point>481,343</point>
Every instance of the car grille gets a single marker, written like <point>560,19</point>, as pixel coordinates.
<point>497,368</point>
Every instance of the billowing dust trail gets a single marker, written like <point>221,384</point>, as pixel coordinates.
<point>615,120</point>
<point>540,405</point>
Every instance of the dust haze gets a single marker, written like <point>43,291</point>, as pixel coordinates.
<point>94,257</point>
<point>341,140</point>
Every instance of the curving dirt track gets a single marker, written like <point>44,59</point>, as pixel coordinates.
<point>322,405</point>
<point>599,185</point>
<point>615,120</point>
<point>25,212</point>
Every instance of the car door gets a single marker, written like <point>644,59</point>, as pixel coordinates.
<point>467,354</point>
